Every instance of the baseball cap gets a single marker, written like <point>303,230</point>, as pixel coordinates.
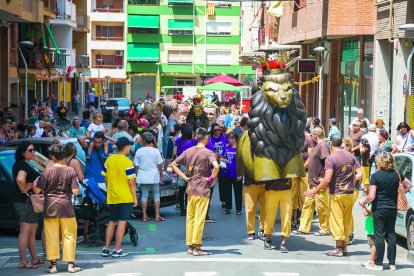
<point>333,120</point>
<point>372,127</point>
<point>122,142</point>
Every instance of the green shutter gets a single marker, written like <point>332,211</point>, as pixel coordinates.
<point>52,37</point>
<point>144,21</point>
<point>180,24</point>
<point>181,2</point>
<point>143,52</point>
<point>44,39</point>
<point>350,51</point>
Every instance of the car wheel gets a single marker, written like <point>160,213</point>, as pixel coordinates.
<point>410,232</point>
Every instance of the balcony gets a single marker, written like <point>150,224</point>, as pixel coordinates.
<point>65,14</point>
<point>112,6</point>
<point>143,2</point>
<point>108,38</point>
<point>50,8</point>
<point>83,22</point>
<point>61,62</point>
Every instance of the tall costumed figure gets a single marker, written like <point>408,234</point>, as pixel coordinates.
<point>197,117</point>
<point>270,150</point>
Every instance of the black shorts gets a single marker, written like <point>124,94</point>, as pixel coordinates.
<point>120,212</point>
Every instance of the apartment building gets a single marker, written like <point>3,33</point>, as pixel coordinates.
<point>107,46</point>
<point>181,43</point>
<point>348,38</point>
<point>393,63</point>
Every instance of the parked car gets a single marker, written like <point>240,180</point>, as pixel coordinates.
<point>405,219</point>
<point>123,106</point>
<point>168,189</point>
<point>7,184</point>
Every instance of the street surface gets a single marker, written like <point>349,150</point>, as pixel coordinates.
<point>162,251</point>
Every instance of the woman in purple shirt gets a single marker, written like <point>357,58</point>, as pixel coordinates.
<point>219,142</point>
<point>229,175</point>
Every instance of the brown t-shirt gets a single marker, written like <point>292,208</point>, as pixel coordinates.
<point>57,184</point>
<point>356,140</point>
<point>309,143</point>
<point>316,163</point>
<point>198,161</point>
<point>343,165</point>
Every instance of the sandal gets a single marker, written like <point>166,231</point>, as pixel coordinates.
<point>158,219</point>
<point>199,252</point>
<point>52,269</point>
<point>226,212</point>
<point>146,219</point>
<point>336,252</point>
<point>39,262</point>
<point>28,266</point>
<point>72,268</point>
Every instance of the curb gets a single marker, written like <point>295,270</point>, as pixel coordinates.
<point>410,256</point>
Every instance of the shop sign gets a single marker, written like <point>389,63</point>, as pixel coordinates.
<point>306,66</point>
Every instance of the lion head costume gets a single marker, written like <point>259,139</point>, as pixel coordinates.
<point>271,148</point>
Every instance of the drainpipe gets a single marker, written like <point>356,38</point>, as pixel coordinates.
<point>390,39</point>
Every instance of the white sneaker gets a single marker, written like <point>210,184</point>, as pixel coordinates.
<point>393,267</point>
<point>374,267</point>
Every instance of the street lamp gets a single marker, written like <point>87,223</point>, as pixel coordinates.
<point>158,83</point>
<point>99,81</point>
<point>408,27</point>
<point>83,79</point>
<point>26,93</point>
<point>320,94</point>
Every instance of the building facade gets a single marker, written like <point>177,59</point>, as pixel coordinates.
<point>181,43</point>
<point>394,75</point>
<point>348,58</point>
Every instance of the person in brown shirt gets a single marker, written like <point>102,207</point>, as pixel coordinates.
<point>356,136</point>
<point>198,161</point>
<point>320,201</point>
<point>300,184</point>
<point>341,171</point>
<point>59,182</point>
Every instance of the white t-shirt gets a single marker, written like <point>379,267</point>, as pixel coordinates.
<point>147,160</point>
<point>94,128</point>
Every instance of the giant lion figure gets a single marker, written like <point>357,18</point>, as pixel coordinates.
<point>271,148</point>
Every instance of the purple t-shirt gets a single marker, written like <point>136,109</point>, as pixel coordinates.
<point>229,154</point>
<point>191,143</point>
<point>219,143</point>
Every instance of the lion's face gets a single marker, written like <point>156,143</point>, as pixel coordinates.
<point>279,95</point>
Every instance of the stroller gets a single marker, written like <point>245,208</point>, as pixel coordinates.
<point>100,216</point>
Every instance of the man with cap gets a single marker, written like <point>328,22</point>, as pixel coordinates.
<point>356,136</point>
<point>333,129</point>
<point>119,176</point>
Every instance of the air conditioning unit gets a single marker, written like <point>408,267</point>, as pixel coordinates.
<point>119,53</point>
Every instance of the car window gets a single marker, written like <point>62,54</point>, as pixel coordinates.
<point>80,153</point>
<point>404,165</point>
<point>111,103</point>
<point>7,162</point>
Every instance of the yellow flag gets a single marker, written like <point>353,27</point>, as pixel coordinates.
<point>276,9</point>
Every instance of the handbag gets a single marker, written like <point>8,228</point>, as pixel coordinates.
<point>402,203</point>
<point>38,202</point>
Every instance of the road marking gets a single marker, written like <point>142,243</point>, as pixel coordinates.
<point>205,273</point>
<point>355,275</point>
<point>124,274</point>
<point>280,274</point>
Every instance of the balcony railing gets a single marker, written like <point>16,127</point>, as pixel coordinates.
<point>143,2</point>
<point>116,38</point>
<point>66,58</point>
<point>109,66</point>
<point>108,9</point>
<point>66,10</point>
<point>50,5</point>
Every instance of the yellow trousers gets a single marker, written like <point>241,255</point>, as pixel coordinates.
<point>68,228</point>
<point>197,207</point>
<point>274,199</point>
<point>320,201</point>
<point>252,195</point>
<point>299,186</point>
<point>341,216</point>
<point>365,175</point>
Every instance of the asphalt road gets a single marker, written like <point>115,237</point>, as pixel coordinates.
<point>162,251</point>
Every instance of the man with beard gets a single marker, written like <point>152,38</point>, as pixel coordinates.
<point>341,171</point>
<point>320,201</point>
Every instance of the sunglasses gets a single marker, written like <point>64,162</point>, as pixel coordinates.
<point>30,150</point>
<point>216,130</point>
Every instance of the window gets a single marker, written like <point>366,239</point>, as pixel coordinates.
<point>180,27</point>
<point>180,56</point>
<point>218,57</point>
<point>218,28</point>
<point>109,32</point>
<point>404,165</point>
<point>299,4</point>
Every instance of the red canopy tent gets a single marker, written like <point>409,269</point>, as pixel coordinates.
<point>225,79</point>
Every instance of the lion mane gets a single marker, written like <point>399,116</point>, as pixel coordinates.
<point>276,133</point>
<point>197,122</point>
